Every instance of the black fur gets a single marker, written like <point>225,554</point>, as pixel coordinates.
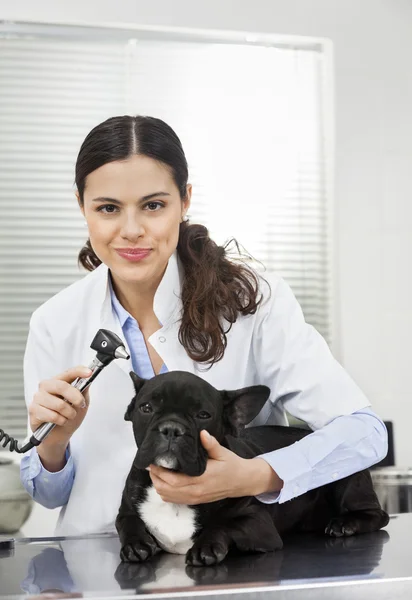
<point>168,412</point>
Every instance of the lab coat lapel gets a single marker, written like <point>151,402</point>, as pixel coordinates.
<point>109,320</point>
<point>167,307</point>
<point>167,345</point>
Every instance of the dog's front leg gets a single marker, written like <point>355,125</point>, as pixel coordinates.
<point>136,542</point>
<point>252,532</point>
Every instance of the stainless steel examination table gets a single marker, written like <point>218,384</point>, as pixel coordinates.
<point>377,565</point>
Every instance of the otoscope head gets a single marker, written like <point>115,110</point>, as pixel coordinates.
<point>120,352</point>
<point>108,346</point>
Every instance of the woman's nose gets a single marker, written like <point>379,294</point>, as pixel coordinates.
<point>132,228</point>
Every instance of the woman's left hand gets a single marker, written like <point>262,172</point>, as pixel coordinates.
<point>227,476</point>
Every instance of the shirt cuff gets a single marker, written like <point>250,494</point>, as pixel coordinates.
<point>293,468</point>
<point>37,471</point>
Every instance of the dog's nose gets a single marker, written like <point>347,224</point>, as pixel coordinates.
<point>171,429</point>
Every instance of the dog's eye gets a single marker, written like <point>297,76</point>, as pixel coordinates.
<point>146,408</point>
<point>203,415</point>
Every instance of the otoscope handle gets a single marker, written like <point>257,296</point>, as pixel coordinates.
<point>81,383</point>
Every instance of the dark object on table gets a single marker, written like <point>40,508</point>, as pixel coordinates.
<point>389,460</point>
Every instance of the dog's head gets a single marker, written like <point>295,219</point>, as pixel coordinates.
<point>169,411</point>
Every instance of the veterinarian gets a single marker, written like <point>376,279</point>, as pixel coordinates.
<point>178,303</point>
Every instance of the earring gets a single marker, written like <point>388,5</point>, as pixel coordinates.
<point>85,224</point>
<point>185,218</point>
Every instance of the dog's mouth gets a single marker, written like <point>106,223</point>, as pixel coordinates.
<point>167,460</point>
<point>184,455</point>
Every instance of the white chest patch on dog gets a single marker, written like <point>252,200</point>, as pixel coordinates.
<point>171,524</point>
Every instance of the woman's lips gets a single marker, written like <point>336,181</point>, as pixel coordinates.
<point>133,254</point>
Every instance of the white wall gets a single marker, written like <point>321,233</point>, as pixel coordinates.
<point>373,51</point>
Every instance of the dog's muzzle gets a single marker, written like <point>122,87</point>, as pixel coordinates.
<point>171,433</point>
<point>173,444</point>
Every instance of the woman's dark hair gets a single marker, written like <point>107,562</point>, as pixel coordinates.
<point>215,289</point>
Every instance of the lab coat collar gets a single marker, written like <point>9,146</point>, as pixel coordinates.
<point>120,311</point>
<point>167,302</point>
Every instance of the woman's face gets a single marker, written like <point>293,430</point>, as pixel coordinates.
<point>134,204</point>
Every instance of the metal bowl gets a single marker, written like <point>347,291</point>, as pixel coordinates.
<point>15,503</point>
<point>393,486</point>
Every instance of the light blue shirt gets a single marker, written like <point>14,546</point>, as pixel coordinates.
<point>348,444</point>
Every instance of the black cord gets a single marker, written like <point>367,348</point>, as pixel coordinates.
<point>6,439</point>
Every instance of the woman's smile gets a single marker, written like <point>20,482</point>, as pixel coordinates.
<point>133,254</point>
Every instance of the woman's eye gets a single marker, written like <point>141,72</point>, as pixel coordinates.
<point>109,209</point>
<point>146,408</point>
<point>156,205</point>
<point>107,206</point>
<point>203,415</point>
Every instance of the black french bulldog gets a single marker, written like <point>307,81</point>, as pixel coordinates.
<point>168,412</point>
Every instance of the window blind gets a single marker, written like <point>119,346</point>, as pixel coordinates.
<point>252,124</point>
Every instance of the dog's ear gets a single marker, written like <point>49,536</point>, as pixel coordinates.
<point>241,406</point>
<point>138,383</point>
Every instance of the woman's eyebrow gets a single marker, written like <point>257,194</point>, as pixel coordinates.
<point>144,199</point>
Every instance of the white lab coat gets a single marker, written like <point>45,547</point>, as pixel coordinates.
<point>274,347</point>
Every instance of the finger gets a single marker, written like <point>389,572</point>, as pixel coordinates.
<point>50,402</point>
<point>62,389</point>
<point>159,484</point>
<point>167,493</point>
<point>176,480</point>
<point>184,495</point>
<point>45,415</point>
<point>212,446</point>
<point>86,397</point>
<point>71,374</point>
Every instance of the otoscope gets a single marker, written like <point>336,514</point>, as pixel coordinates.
<point>108,347</point>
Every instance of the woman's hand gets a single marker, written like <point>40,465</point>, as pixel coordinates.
<point>227,476</point>
<point>48,406</point>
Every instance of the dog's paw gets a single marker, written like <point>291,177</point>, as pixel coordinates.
<point>211,575</point>
<point>139,550</point>
<point>130,575</point>
<point>206,553</point>
<point>339,527</point>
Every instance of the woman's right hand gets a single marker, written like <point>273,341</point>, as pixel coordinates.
<point>48,406</point>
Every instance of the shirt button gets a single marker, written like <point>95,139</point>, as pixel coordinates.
<point>162,339</point>
<point>334,476</point>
